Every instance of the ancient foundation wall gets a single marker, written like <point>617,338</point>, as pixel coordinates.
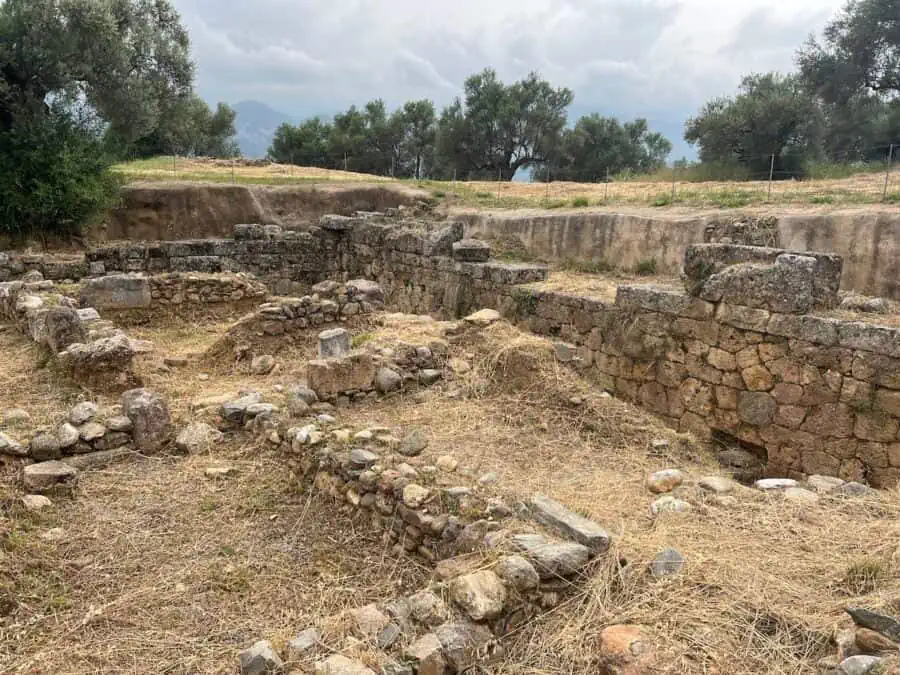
<point>868,242</point>
<point>821,395</point>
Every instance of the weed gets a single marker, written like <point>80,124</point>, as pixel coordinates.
<point>821,199</point>
<point>581,202</point>
<point>484,195</point>
<point>439,194</point>
<point>554,203</point>
<point>864,576</point>
<point>662,200</point>
<point>645,268</point>
<point>361,339</point>
<point>526,302</point>
<point>735,199</point>
<point>587,266</point>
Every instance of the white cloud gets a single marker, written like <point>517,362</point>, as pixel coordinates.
<point>659,58</point>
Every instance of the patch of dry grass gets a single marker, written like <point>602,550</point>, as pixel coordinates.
<point>162,570</point>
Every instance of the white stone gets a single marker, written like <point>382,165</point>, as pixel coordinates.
<point>775,483</point>
<point>36,502</point>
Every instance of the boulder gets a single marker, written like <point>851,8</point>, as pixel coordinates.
<point>666,563</point>
<point>366,290</point>
<point>471,250</point>
<point>262,364</point>
<point>463,644</point>
<point>45,447</point>
<point>10,446</point>
<point>149,415</point>
<point>518,573</point>
<point>50,477</point>
<point>583,530</point>
<point>106,356</point>
<point>117,292</point>
<point>334,343</point>
<point>338,664</point>
<point>414,443</point>
<point>83,412</point>
<point>387,380</point>
<point>664,481</point>
<point>62,328</point>
<point>198,437</point>
<point>329,377</point>
<point>260,659</point>
<point>552,559</point>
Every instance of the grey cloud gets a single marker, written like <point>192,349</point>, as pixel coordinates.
<point>655,58</point>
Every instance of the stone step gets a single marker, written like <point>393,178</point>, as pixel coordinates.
<point>578,528</point>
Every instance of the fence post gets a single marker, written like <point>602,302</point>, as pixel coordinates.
<point>606,187</point>
<point>887,175</point>
<point>174,167</point>
<point>771,176</point>
<point>548,181</point>
<point>232,170</point>
<point>674,178</point>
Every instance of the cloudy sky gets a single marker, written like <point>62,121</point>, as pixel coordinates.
<point>659,59</point>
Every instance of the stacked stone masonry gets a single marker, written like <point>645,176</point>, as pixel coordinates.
<point>819,395</point>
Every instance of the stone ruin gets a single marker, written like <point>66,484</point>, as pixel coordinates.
<point>746,351</point>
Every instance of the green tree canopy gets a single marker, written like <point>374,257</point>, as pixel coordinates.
<point>859,53</point>
<point>498,129</point>
<point>772,114</point>
<point>598,147</point>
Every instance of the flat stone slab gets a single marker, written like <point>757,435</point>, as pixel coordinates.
<point>552,559</point>
<point>48,476</point>
<point>582,530</point>
<point>775,483</point>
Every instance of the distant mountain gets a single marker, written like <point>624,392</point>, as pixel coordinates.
<point>256,124</point>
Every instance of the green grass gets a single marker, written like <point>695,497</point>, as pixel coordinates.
<point>587,266</point>
<point>646,268</point>
<point>622,192</point>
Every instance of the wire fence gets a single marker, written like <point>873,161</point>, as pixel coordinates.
<point>872,181</point>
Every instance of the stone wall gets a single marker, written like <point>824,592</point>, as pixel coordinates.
<point>869,242</point>
<point>815,395</point>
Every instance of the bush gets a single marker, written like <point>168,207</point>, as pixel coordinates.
<point>580,202</point>
<point>54,176</point>
<point>646,268</point>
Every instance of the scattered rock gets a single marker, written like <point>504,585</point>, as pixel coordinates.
<point>334,342</point>
<point>149,414</point>
<point>120,423</point>
<point>12,447</point>
<point>854,489</point>
<point>49,477</point>
<point>429,376</point>
<point>83,412</point>
<point>872,642</point>
<point>669,504</point>
<point>45,447</point>
<point>459,366</point>
<point>664,481</point>
<point>463,644</point>
<point>387,380</point>
<point>800,495</point>
<point>361,459</point>
<point>339,664</point>
<point>262,364</point>
<point>175,361</point>
<point>305,394</point>
<point>54,534</point>
<point>488,479</point>
<point>481,595</point>
<point>552,559</point>
<point>426,608</point>
<point>415,495</point>
<point>485,317</point>
<point>717,484</point>
<point>198,437</point>
<point>518,573</point>
<point>414,443</point>
<point>91,431</point>
<point>234,411</point>
<point>36,503</point>
<point>426,655</point>
<point>823,484</point>
<point>880,623</point>
<point>260,659</point>
<point>584,531</point>
<point>303,644</point>
<point>859,665</point>
<point>667,563</point>
<point>775,483</point>
<point>447,463</point>
<point>623,648</point>
<point>369,621</point>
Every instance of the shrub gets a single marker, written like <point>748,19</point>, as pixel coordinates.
<point>663,200</point>
<point>580,202</point>
<point>587,266</point>
<point>54,176</point>
<point>646,268</point>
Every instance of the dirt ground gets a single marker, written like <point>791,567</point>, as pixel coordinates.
<point>157,568</point>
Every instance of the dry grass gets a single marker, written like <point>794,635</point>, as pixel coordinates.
<point>240,171</point>
<point>766,580</point>
<point>182,572</point>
